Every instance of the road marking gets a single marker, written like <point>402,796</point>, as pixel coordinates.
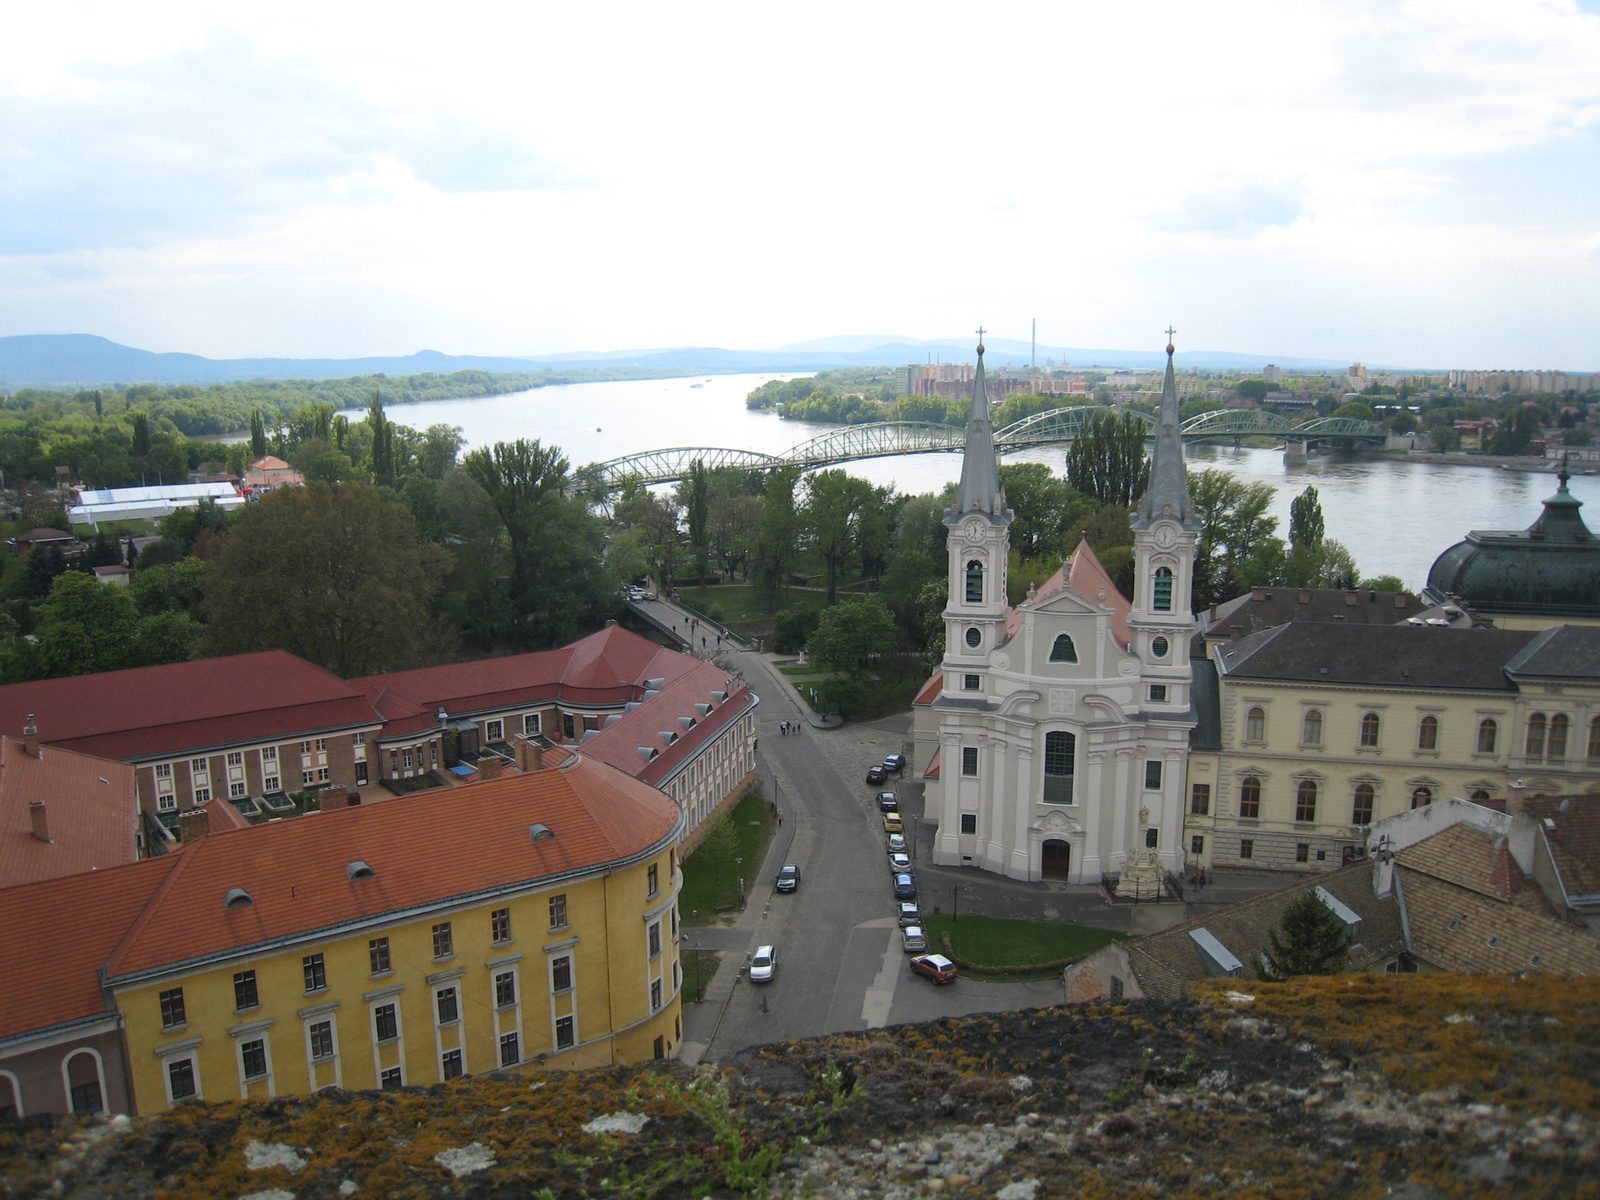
<point>876,1003</point>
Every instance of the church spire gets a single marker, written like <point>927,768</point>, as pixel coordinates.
<point>980,472</point>
<point>1168,492</point>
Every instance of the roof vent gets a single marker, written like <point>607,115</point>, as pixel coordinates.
<point>655,685</point>
<point>720,697</point>
<point>648,752</point>
<point>540,832</point>
<point>667,736</point>
<point>587,734</point>
<point>651,694</point>
<point>613,719</point>
<point>237,898</point>
<point>703,709</point>
<point>630,706</point>
<point>1218,958</point>
<point>359,870</point>
<point>686,722</point>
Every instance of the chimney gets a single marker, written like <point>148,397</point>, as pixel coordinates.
<point>1258,593</point>
<point>193,825</point>
<point>352,799</point>
<point>1514,797</point>
<point>41,825</point>
<point>529,756</point>
<point>489,766</point>
<point>30,738</point>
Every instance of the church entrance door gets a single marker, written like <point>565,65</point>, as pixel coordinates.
<point>1055,860</point>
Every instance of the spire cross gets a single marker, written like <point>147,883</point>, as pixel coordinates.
<point>1170,332</point>
<point>980,334</point>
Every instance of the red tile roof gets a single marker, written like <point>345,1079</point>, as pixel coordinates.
<point>1571,827</point>
<point>1083,575</point>
<point>930,690</point>
<point>618,743</point>
<point>91,809</point>
<point>1477,861</point>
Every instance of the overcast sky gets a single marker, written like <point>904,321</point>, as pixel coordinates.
<point>1401,183</point>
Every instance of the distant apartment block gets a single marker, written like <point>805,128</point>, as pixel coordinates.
<point>1537,383</point>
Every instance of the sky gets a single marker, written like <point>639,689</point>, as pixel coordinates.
<point>1414,184</point>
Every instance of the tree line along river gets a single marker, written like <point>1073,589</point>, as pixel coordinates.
<point>1394,516</point>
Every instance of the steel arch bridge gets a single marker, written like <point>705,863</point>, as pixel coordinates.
<point>883,439</point>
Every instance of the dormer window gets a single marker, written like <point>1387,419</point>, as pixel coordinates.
<point>1062,650</point>
<point>974,582</point>
<point>1162,601</point>
<point>237,898</point>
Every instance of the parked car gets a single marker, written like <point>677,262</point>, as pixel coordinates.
<point>935,967</point>
<point>788,878</point>
<point>762,964</point>
<point>876,774</point>
<point>899,862</point>
<point>897,843</point>
<point>910,914</point>
<point>887,802</point>
<point>905,887</point>
<point>913,939</point>
<point>892,823</point>
<point>895,763</point>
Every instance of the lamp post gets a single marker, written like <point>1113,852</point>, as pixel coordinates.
<point>740,863</point>
<point>955,900</point>
<point>699,992</point>
<point>914,838</point>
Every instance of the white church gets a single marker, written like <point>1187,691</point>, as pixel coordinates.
<point>1054,735</point>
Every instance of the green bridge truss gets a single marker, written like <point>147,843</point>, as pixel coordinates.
<point>883,439</point>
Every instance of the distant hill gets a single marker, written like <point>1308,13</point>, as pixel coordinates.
<point>66,359</point>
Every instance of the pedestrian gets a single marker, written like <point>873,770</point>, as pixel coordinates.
<point>702,643</point>
<point>780,818</point>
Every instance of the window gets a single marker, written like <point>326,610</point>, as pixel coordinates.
<point>494,731</point>
<point>1117,987</point>
<point>86,1097</point>
<point>1302,852</point>
<point>358,739</point>
<point>655,939</point>
<point>500,925</point>
<point>1197,845</point>
<point>969,760</point>
<point>1060,764</point>
<point>1247,848</point>
<point>1487,729</point>
<point>172,1010</point>
<point>969,822</point>
<point>199,766</point>
<point>1200,799</point>
<point>1250,797</point>
<point>1421,797</point>
<point>971,683</point>
<point>202,795</point>
<point>974,582</point>
<point>307,778</point>
<point>1152,775</point>
<point>510,1054</point>
<point>316,975</point>
<point>378,953</point>
<point>1163,590</point>
<point>450,1065</point>
<point>1535,744</point>
<point>655,994</point>
<point>652,880</point>
<point>163,770</point>
<point>1158,648</point>
<point>1311,727</point>
<point>1361,807</point>
<point>568,726</point>
<point>1557,747</point>
<point>1158,693</point>
<point>271,784</point>
<point>443,942</point>
<point>444,1001</point>
<point>166,802</point>
<point>505,990</point>
<point>1152,838</point>
<point>530,725</point>
<point>1062,649</point>
<point>1594,738</point>
<point>269,754</point>
<point>385,1023</point>
<point>244,990</point>
<point>561,974</point>
<point>558,911</point>
<point>237,791</point>
<point>321,1034</point>
<point>253,1058</point>
<point>566,1033</point>
<point>1255,725</point>
<point>1479,796</point>
<point>1369,729</point>
<point>1428,733</point>
<point>974,637</point>
<point>391,1079</point>
<point>180,1079</point>
<point>361,772</point>
<point>1305,801</point>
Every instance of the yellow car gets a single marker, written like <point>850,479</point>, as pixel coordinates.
<point>892,823</point>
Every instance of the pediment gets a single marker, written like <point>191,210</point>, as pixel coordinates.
<point>1067,601</point>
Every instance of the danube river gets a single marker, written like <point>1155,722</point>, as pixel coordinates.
<point>1395,517</point>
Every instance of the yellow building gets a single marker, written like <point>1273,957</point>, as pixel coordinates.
<point>522,922</point>
<point>1310,732</point>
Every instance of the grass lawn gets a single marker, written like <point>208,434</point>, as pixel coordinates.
<point>998,943</point>
<point>699,969</point>
<point>735,601</point>
<point>706,883</point>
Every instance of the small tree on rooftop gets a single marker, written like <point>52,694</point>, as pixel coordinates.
<point>1310,939</point>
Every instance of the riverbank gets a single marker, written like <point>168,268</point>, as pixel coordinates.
<point>1506,462</point>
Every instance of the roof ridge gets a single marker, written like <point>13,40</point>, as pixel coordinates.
<point>147,910</point>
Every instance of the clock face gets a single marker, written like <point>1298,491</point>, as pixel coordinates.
<point>1166,536</point>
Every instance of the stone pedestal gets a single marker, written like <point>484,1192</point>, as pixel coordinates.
<point>1142,877</point>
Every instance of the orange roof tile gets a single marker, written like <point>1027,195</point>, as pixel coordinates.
<point>1478,861</point>
<point>1463,929</point>
<point>1571,827</point>
<point>91,809</point>
<point>1083,575</point>
<point>930,690</point>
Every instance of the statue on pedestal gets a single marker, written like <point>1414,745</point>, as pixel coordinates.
<point>1142,877</point>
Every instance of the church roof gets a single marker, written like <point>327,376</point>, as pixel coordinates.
<point>1394,656</point>
<point>1084,575</point>
<point>979,489</point>
<point>1168,492</point>
<point>1552,568</point>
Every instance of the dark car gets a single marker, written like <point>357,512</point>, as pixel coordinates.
<point>935,967</point>
<point>905,887</point>
<point>788,878</point>
<point>895,763</point>
<point>877,774</point>
<point>887,802</point>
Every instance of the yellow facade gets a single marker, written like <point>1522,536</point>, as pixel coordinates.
<point>586,974</point>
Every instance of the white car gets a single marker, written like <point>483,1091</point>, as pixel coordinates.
<point>762,964</point>
<point>913,940</point>
<point>897,843</point>
<point>899,862</point>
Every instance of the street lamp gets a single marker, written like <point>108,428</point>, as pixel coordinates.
<point>955,899</point>
<point>699,992</point>
<point>914,838</point>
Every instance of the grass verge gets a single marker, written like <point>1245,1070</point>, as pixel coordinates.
<point>734,601</point>
<point>710,880</point>
<point>1002,947</point>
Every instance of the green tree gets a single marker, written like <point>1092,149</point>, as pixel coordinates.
<point>697,516</point>
<point>437,450</point>
<point>1107,460</point>
<point>851,633</point>
<point>1252,389</point>
<point>1356,410</point>
<point>1519,427</point>
<point>141,435</point>
<point>333,573</point>
<point>86,626</point>
<point>1048,510</point>
<point>717,849</point>
<point>1306,526</point>
<point>1383,583</point>
<point>1310,939</point>
<point>1403,421</point>
<point>777,533</point>
<point>1235,533</point>
<point>171,587</point>
<point>835,503</point>
<point>382,447</point>
<point>258,436</point>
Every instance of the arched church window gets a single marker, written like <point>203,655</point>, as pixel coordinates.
<point>1488,733</point>
<point>1250,797</point>
<point>1535,744</point>
<point>1479,796</point>
<point>1162,601</point>
<point>1421,797</point>
<point>1557,746</point>
<point>1305,801</point>
<point>1361,809</point>
<point>974,582</point>
<point>1060,763</point>
<point>1255,725</point>
<point>1311,727</point>
<point>1062,649</point>
<point>1428,733</point>
<point>1369,729</point>
<point>1594,738</point>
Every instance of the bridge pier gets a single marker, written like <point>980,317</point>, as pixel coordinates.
<point>1294,454</point>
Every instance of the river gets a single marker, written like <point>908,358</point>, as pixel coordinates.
<point>1396,517</point>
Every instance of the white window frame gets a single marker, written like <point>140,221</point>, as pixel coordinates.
<point>494,731</point>
<point>253,1032</point>
<point>532,726</point>
<point>177,1052</point>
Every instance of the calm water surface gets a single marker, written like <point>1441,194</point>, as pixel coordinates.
<point>1396,517</point>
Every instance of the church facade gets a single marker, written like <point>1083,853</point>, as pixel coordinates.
<point>1056,732</point>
